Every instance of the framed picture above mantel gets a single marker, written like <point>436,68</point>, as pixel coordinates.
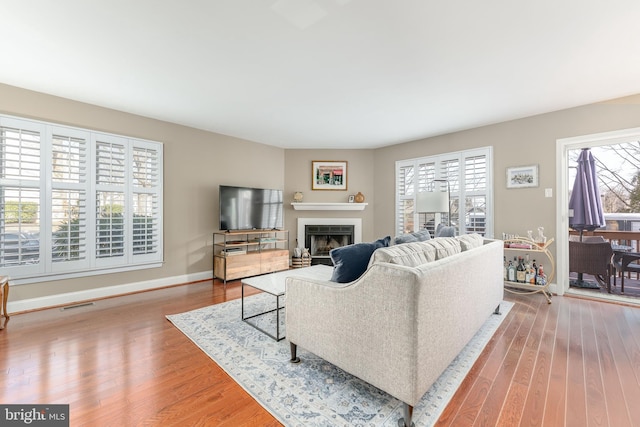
<point>328,175</point>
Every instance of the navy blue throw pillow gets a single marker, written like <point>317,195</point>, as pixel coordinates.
<point>351,261</point>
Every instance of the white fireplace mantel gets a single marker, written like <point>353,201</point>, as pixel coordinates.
<point>328,206</point>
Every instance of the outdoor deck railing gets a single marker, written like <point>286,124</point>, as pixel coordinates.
<point>627,238</point>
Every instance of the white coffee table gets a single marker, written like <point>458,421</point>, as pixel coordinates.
<point>275,284</point>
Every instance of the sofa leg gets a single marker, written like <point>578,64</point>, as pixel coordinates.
<point>294,349</point>
<point>408,414</point>
<point>497,310</point>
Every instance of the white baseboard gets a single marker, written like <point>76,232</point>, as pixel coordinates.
<point>109,291</point>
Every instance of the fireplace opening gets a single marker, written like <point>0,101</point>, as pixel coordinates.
<point>320,239</point>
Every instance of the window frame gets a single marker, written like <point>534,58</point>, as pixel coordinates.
<point>88,263</point>
<point>434,168</point>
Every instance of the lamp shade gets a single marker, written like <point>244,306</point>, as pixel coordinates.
<point>432,201</point>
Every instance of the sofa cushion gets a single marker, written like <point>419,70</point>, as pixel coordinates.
<point>470,241</point>
<point>352,260</point>
<point>416,236</point>
<point>445,246</point>
<point>410,254</point>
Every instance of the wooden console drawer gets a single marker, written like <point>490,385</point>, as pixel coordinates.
<point>238,266</point>
<point>275,260</point>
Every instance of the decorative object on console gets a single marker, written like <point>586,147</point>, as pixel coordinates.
<point>435,201</point>
<point>541,240</point>
<point>352,198</point>
<point>298,196</point>
<point>328,175</point>
<point>352,260</point>
<point>359,198</point>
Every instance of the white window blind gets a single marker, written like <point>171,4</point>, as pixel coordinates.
<point>145,202</point>
<point>69,199</point>
<point>469,176</point>
<point>75,202</point>
<point>21,187</point>
<point>405,190</point>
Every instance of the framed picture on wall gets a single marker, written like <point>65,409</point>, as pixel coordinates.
<point>522,176</point>
<point>328,175</point>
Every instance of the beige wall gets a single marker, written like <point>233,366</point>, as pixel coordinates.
<point>195,163</point>
<point>526,141</point>
<point>359,179</point>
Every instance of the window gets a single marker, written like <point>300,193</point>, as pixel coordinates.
<point>469,176</point>
<point>76,202</point>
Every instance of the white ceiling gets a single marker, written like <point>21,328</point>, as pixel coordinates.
<point>325,73</point>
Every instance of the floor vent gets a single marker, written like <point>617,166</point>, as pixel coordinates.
<point>84,304</point>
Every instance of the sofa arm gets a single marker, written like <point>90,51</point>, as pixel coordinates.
<point>366,327</point>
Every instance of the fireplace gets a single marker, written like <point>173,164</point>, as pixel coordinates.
<point>320,235</point>
<point>320,239</point>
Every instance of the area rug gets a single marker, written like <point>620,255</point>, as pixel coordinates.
<point>314,392</point>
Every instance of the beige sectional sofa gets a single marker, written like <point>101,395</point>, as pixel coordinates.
<point>401,323</point>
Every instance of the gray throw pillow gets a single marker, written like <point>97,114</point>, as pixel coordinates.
<point>445,230</point>
<point>416,236</point>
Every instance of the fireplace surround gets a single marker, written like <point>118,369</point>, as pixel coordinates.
<point>320,235</point>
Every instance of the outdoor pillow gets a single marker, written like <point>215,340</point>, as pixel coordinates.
<point>351,261</point>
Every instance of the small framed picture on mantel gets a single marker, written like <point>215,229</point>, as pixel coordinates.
<point>522,176</point>
<point>328,175</point>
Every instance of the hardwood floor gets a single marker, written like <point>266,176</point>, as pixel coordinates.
<point>574,362</point>
<point>119,362</point>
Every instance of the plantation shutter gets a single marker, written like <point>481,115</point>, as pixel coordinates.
<point>475,193</point>
<point>145,200</point>
<point>449,170</point>
<point>74,202</point>
<point>110,201</point>
<point>426,175</point>
<point>405,199</point>
<point>69,217</point>
<point>469,176</point>
<point>21,200</point>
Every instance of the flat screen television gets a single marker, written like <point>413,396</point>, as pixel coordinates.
<point>243,208</point>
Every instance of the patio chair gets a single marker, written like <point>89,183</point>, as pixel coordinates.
<point>625,262</point>
<point>592,256</point>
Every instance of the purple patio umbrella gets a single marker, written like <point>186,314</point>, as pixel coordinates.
<point>585,199</point>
